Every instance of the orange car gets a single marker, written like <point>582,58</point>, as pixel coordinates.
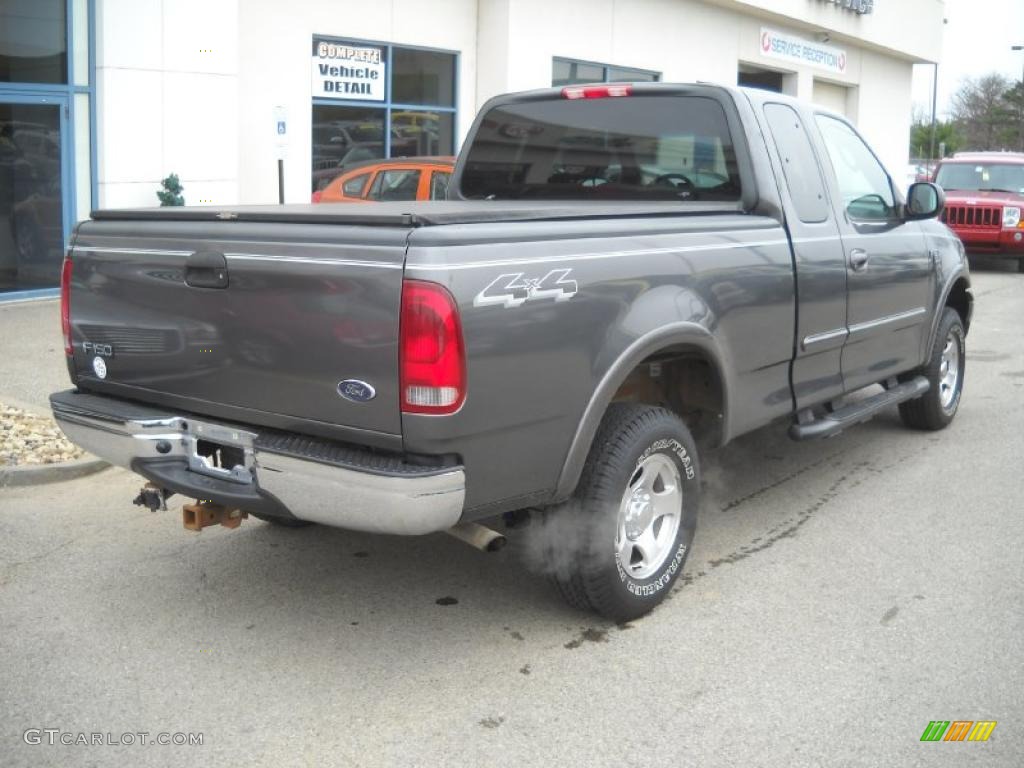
<point>401,178</point>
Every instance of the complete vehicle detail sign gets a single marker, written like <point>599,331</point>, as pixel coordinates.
<point>348,71</point>
<point>797,50</point>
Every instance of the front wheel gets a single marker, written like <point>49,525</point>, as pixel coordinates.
<point>620,543</point>
<point>944,370</point>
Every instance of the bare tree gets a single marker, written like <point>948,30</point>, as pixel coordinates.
<point>981,111</point>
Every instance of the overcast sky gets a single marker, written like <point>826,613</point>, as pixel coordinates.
<point>977,41</point>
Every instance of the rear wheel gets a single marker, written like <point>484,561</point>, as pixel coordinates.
<point>945,372</point>
<point>620,543</point>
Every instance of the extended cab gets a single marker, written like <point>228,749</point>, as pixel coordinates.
<point>984,198</point>
<point>620,274</point>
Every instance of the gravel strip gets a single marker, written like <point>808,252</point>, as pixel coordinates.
<point>27,439</point>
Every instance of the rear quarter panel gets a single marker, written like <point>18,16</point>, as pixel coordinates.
<point>628,287</point>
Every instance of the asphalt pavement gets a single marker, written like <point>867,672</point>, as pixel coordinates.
<point>840,596</point>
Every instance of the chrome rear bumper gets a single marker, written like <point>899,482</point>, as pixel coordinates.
<point>358,491</point>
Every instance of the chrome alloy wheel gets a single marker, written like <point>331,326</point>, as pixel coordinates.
<point>649,517</point>
<point>949,370</point>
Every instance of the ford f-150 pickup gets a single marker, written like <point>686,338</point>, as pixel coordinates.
<point>620,274</point>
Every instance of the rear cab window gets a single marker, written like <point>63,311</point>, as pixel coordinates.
<point>597,149</point>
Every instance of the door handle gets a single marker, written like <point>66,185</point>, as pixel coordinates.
<point>206,269</point>
<point>858,259</point>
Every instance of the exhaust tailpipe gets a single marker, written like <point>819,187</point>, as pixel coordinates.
<point>479,536</point>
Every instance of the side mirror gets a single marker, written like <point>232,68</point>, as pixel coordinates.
<point>924,201</point>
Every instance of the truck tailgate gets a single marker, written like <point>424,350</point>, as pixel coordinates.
<point>247,320</point>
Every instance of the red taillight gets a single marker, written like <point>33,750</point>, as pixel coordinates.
<point>432,360</point>
<point>315,197</point>
<point>65,303</point>
<point>596,91</point>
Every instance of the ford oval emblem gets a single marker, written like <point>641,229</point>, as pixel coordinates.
<point>355,390</point>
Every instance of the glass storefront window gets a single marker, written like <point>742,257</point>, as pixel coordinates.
<point>564,72</point>
<point>423,77</point>
<point>624,75</point>
<point>31,199</point>
<point>343,136</point>
<point>33,41</point>
<point>421,133</point>
<point>571,72</point>
<point>375,101</point>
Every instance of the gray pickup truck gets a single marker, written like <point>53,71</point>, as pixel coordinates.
<point>620,274</point>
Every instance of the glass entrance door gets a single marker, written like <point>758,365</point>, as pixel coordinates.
<point>32,185</point>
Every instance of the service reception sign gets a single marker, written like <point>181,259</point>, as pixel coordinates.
<point>347,71</point>
<point>797,50</point>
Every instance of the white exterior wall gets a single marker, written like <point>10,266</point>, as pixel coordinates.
<point>689,40</point>
<point>190,86</point>
<point>167,99</point>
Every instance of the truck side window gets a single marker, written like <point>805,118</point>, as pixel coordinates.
<point>863,182</point>
<point>803,177</point>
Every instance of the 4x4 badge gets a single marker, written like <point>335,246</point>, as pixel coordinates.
<point>514,289</point>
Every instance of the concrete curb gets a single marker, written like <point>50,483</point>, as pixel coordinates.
<point>40,474</point>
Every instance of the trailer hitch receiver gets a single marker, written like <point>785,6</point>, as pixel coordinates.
<point>197,516</point>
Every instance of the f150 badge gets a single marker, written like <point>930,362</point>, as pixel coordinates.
<point>515,289</point>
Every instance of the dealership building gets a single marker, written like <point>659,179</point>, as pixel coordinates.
<point>248,99</point>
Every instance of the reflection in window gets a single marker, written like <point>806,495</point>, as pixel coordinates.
<point>343,136</point>
<point>33,41</point>
<point>592,149</point>
<point>399,184</point>
<point>439,185</point>
<point>421,133</point>
<point>31,200</point>
<point>354,186</point>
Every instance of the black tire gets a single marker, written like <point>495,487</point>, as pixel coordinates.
<point>284,522</point>
<point>937,407</point>
<point>1020,265</point>
<point>584,537</point>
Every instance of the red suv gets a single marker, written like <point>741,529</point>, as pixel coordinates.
<point>984,198</point>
